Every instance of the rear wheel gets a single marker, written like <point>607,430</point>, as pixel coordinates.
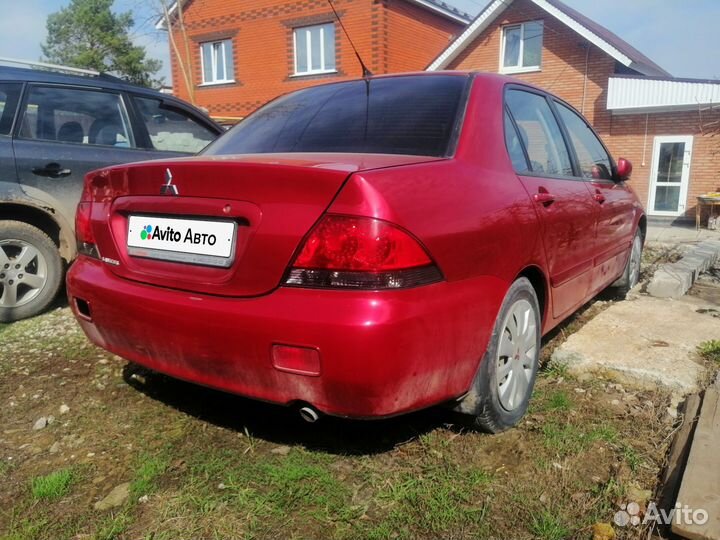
<point>504,383</point>
<point>631,274</point>
<point>30,271</point>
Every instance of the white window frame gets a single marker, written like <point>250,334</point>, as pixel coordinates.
<point>519,68</point>
<point>213,55</point>
<point>308,42</point>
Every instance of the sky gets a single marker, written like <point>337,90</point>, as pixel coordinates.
<point>680,35</point>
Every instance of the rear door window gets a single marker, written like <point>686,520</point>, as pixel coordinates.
<point>540,133</point>
<point>72,115</point>
<point>171,129</point>
<point>515,147</point>
<point>9,97</point>
<point>592,157</point>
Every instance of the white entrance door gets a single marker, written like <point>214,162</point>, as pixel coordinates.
<point>670,175</point>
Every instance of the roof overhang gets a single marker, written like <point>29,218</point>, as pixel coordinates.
<point>496,7</point>
<point>640,95</point>
<point>438,7</point>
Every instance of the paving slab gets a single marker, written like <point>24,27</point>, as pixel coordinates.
<point>643,342</point>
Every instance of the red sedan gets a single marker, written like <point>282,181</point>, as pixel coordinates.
<point>363,248</point>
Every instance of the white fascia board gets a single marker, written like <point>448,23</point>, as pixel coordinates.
<point>441,11</point>
<point>160,23</point>
<point>584,32</point>
<point>469,34</point>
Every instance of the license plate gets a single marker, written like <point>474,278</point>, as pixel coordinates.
<point>195,241</point>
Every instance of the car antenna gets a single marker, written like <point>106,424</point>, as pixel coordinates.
<point>366,72</point>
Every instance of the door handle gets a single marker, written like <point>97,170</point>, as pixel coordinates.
<point>599,197</point>
<point>544,198</point>
<point>51,170</point>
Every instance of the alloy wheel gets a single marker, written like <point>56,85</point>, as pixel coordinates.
<point>23,273</point>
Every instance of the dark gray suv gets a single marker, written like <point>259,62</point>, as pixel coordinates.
<point>54,128</point>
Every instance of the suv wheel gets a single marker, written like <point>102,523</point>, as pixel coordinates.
<point>504,383</point>
<point>30,271</point>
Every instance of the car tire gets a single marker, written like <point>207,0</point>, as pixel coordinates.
<point>31,271</point>
<point>631,274</point>
<point>495,402</point>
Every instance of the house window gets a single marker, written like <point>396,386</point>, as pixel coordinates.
<point>521,47</point>
<point>314,49</point>
<point>217,62</point>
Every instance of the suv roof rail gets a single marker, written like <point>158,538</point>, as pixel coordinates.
<point>51,67</point>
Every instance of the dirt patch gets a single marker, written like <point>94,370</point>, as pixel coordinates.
<point>203,464</point>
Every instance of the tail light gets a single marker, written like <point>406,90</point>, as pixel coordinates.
<point>361,253</point>
<point>83,228</point>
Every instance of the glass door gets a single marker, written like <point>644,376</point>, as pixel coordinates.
<point>670,175</point>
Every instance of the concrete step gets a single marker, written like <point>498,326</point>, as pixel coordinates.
<point>673,280</point>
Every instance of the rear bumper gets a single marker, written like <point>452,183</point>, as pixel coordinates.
<point>381,353</point>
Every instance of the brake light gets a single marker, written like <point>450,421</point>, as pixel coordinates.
<point>361,252</point>
<point>83,229</point>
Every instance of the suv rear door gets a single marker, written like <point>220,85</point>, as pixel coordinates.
<point>66,131</point>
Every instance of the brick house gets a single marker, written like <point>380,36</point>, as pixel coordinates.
<point>662,124</point>
<point>245,52</point>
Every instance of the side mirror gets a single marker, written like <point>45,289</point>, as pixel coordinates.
<point>623,169</point>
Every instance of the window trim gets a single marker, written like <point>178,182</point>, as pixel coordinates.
<point>215,81</point>
<point>323,70</point>
<point>570,150</point>
<point>133,143</point>
<point>172,105</point>
<point>519,68</point>
<point>554,101</point>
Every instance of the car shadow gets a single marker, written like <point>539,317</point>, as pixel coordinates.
<point>283,425</point>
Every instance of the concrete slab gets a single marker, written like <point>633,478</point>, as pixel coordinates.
<point>679,234</point>
<point>644,342</point>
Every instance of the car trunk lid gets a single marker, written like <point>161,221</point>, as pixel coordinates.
<point>264,205</point>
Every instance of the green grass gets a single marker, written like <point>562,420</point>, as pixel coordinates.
<point>559,401</point>
<point>548,526</point>
<point>568,439</point>
<point>710,350</point>
<point>150,468</point>
<point>556,370</point>
<point>442,499</point>
<point>52,486</point>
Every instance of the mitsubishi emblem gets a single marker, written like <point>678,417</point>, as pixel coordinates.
<point>168,188</point>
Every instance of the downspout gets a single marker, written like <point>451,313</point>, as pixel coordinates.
<point>585,78</point>
<point>645,140</point>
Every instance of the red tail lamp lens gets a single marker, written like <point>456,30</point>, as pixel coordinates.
<point>360,244</point>
<point>83,230</point>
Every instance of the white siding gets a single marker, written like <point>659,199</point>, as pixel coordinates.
<point>647,95</point>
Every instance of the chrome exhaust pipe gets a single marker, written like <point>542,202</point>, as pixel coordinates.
<point>309,414</point>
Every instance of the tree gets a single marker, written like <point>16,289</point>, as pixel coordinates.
<point>87,34</point>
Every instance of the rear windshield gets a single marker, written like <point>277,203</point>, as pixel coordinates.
<point>414,115</point>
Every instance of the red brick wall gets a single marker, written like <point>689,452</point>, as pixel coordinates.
<point>563,61</point>
<point>263,48</point>
<point>628,140</point>
<point>413,37</point>
<point>563,73</point>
